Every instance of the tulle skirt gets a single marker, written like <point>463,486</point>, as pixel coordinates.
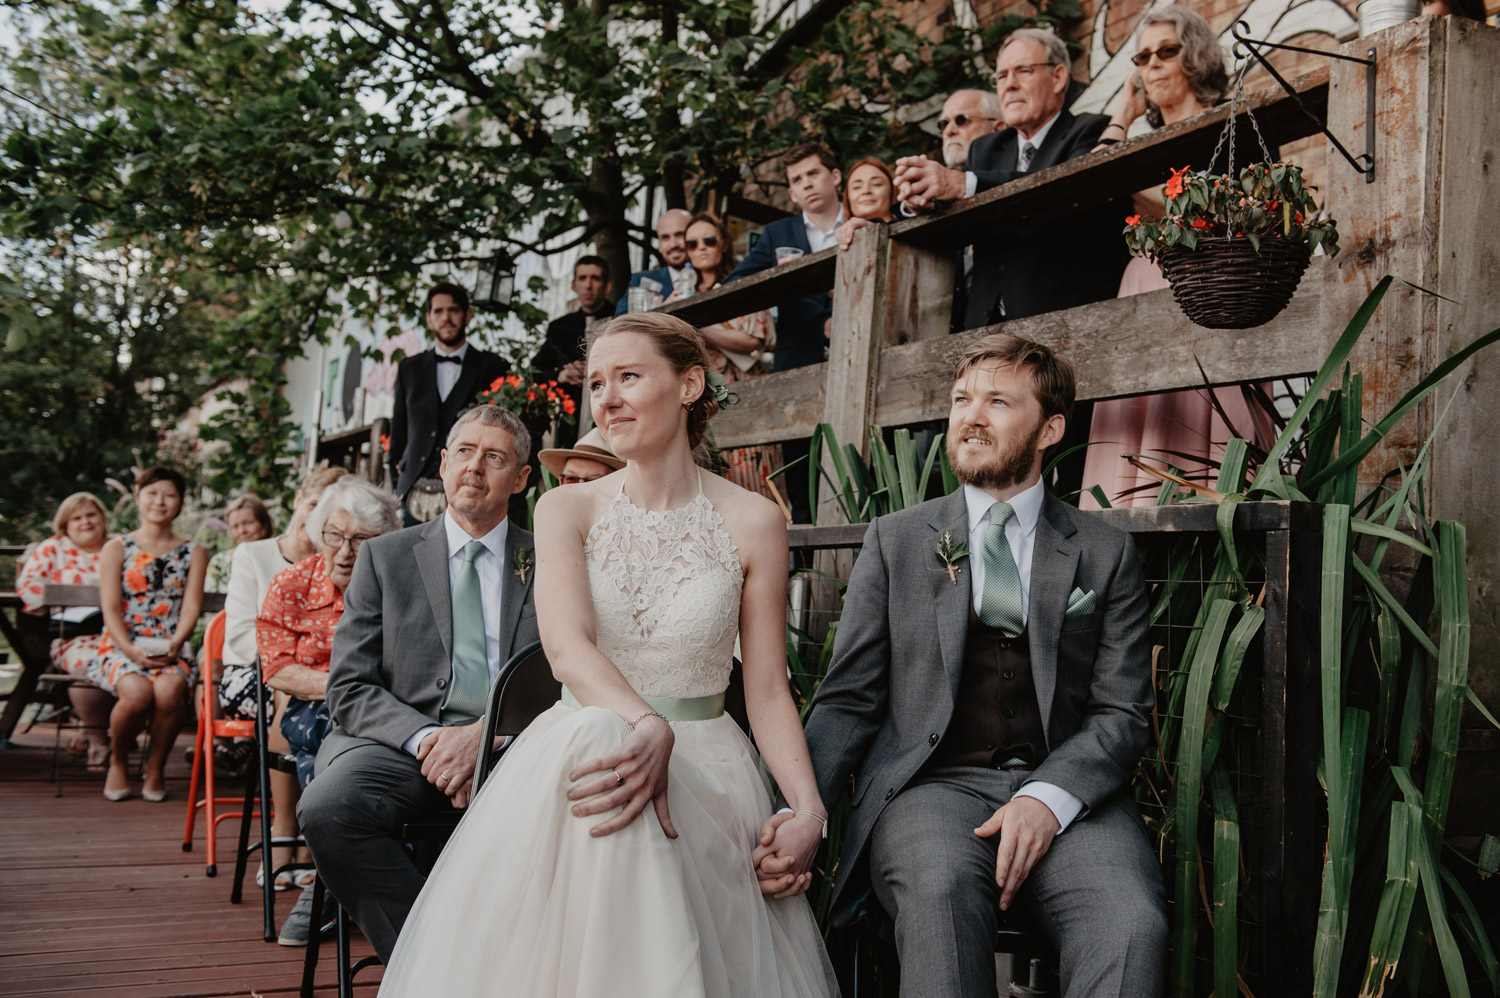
<point>525,903</point>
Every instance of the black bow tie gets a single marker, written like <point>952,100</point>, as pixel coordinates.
<point>449,360</point>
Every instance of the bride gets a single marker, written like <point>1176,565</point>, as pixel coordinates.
<point>610,852</point>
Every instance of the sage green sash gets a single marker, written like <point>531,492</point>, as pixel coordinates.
<point>672,708</point>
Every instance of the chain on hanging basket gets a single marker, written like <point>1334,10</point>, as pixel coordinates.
<point>1234,247</point>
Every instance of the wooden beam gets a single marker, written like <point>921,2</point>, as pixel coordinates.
<point>811,275</point>
<point>1105,340</point>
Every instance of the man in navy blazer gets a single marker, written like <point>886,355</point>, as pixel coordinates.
<point>813,177</point>
<point>1033,265</point>
<point>671,246</point>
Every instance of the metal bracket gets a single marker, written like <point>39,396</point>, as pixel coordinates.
<point>1364,164</point>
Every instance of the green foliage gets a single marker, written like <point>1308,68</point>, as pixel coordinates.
<point>116,354</point>
<point>1267,202</point>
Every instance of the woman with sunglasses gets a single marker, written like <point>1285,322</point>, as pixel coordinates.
<point>738,348</point>
<point>1180,72</point>
<point>151,592</point>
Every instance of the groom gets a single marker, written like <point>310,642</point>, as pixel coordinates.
<point>989,696</point>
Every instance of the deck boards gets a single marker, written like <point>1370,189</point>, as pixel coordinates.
<point>100,899</point>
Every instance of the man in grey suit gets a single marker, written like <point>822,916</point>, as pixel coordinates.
<point>429,616</point>
<point>990,697</point>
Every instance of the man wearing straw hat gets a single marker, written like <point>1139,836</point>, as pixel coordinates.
<point>589,459</point>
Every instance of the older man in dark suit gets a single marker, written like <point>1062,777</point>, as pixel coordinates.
<point>429,617</point>
<point>436,385</point>
<point>1034,265</point>
<point>990,696</point>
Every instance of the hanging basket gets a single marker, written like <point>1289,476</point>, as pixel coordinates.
<point>1226,284</point>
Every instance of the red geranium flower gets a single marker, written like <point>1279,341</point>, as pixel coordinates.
<point>1133,220</point>
<point>385,442</point>
<point>1199,223</point>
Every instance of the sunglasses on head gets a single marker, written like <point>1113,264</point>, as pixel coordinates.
<point>1166,54</point>
<point>705,241</point>
<point>961,120</point>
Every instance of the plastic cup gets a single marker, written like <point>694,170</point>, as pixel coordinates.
<point>786,254</point>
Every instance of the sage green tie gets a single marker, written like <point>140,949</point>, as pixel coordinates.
<point>469,686</point>
<point>1000,605</point>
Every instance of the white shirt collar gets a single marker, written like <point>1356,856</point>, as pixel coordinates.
<point>494,541</point>
<point>808,223</point>
<point>1040,135</point>
<point>1027,506</point>
<point>445,352</point>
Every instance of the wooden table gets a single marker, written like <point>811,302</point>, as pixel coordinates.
<point>33,665</point>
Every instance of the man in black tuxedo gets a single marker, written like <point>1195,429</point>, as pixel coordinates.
<point>1032,265</point>
<point>435,386</point>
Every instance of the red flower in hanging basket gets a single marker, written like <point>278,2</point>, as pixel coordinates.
<point>531,402</point>
<point>1199,223</point>
<point>1133,220</point>
<point>1174,185</point>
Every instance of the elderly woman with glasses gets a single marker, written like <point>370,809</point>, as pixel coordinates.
<point>294,630</point>
<point>1180,72</point>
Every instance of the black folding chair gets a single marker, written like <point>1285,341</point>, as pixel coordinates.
<point>523,689</point>
<point>258,782</point>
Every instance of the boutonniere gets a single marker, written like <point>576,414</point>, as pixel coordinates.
<point>950,554</point>
<point>524,563</point>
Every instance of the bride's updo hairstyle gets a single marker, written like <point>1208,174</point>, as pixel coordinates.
<point>684,349</point>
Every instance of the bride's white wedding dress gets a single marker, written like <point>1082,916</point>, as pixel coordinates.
<point>524,902</point>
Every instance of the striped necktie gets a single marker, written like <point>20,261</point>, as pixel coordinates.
<point>469,686</point>
<point>1000,604</point>
<point>1023,157</point>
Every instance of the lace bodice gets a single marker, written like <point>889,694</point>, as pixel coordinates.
<point>666,588</point>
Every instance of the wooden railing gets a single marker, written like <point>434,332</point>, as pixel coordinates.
<point>890,355</point>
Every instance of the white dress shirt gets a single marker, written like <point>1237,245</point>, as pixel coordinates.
<point>490,564</point>
<point>1020,533</point>
<point>817,239</point>
<point>971,181</point>
<point>447,374</point>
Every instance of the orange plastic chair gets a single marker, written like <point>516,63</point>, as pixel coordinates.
<point>210,728</point>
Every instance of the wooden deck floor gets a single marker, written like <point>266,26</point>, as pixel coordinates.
<point>98,898</point>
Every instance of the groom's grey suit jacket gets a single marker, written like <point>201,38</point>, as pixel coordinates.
<point>887,700</point>
<point>392,652</point>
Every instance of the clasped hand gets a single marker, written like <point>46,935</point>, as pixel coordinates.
<point>628,778</point>
<point>783,861</point>
<point>448,756</point>
<point>921,182</point>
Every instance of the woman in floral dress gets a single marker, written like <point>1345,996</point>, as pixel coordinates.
<point>151,591</point>
<point>70,557</point>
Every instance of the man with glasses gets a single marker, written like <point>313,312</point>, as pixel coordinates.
<point>966,115</point>
<point>586,461</point>
<point>1038,265</point>
<point>430,615</point>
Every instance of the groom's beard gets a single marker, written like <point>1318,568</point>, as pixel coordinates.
<point>999,469</point>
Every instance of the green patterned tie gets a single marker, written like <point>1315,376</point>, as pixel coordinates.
<point>469,687</point>
<point>1000,604</point>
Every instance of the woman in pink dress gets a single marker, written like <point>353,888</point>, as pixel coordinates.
<point>70,557</point>
<point>1180,73</point>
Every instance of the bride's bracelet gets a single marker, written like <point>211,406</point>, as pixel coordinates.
<point>815,815</point>
<point>649,713</point>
